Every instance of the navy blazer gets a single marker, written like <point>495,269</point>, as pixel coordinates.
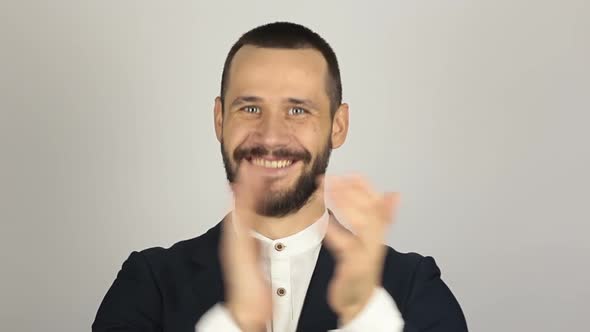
<point>165,290</point>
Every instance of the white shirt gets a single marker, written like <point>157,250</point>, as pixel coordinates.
<point>288,264</point>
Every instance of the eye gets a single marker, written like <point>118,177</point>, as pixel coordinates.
<point>251,109</point>
<point>297,111</point>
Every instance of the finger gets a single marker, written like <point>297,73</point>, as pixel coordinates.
<point>369,224</point>
<point>355,190</point>
<point>339,240</point>
<point>238,246</point>
<point>356,207</point>
<point>320,182</point>
<point>248,191</point>
<point>390,205</point>
<point>362,185</point>
<point>228,236</point>
<point>245,189</point>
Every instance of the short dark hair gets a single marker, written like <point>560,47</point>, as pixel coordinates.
<point>289,36</point>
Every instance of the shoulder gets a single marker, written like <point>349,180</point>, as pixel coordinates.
<point>401,272</point>
<point>409,263</point>
<point>414,281</point>
<point>200,249</point>
<point>401,262</point>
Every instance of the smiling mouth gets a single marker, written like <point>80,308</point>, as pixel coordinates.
<point>271,163</point>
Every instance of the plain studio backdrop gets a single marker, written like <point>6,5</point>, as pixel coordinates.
<point>476,111</point>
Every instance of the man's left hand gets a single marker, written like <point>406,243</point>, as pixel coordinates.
<point>359,256</point>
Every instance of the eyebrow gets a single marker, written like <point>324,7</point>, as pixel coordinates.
<point>245,99</point>
<point>303,102</point>
<point>254,99</point>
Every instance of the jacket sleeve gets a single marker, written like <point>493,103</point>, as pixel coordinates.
<point>133,303</point>
<point>431,307</point>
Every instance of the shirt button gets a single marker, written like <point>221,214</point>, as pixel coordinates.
<point>279,246</point>
<point>281,291</point>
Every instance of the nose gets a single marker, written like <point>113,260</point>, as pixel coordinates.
<point>273,130</point>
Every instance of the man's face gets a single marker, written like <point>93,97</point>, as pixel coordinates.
<point>276,124</point>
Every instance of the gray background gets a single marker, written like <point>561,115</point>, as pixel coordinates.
<point>476,111</point>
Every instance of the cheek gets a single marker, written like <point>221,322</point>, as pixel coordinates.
<point>312,137</point>
<point>308,124</point>
<point>233,134</point>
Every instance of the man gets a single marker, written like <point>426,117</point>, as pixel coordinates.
<point>280,261</point>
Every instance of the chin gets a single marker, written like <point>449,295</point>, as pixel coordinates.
<point>281,188</point>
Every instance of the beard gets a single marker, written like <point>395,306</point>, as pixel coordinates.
<point>282,203</point>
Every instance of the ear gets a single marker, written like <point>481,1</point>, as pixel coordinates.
<point>340,126</point>
<point>218,118</point>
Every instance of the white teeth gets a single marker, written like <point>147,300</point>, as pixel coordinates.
<point>271,163</point>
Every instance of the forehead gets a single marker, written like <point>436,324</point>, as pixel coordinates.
<point>278,73</point>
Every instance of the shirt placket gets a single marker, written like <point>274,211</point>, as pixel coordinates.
<point>280,272</point>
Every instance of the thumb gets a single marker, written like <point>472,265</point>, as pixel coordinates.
<point>338,239</point>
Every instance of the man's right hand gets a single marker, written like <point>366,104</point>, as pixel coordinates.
<point>248,294</point>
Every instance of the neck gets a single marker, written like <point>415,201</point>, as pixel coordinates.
<point>276,228</point>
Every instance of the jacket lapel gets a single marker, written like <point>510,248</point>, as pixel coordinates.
<point>207,282</point>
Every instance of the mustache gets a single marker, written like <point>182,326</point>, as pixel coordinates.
<point>260,151</point>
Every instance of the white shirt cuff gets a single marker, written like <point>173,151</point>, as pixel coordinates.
<point>217,319</point>
<point>379,315</point>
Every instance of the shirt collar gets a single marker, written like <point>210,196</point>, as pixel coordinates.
<point>295,244</point>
